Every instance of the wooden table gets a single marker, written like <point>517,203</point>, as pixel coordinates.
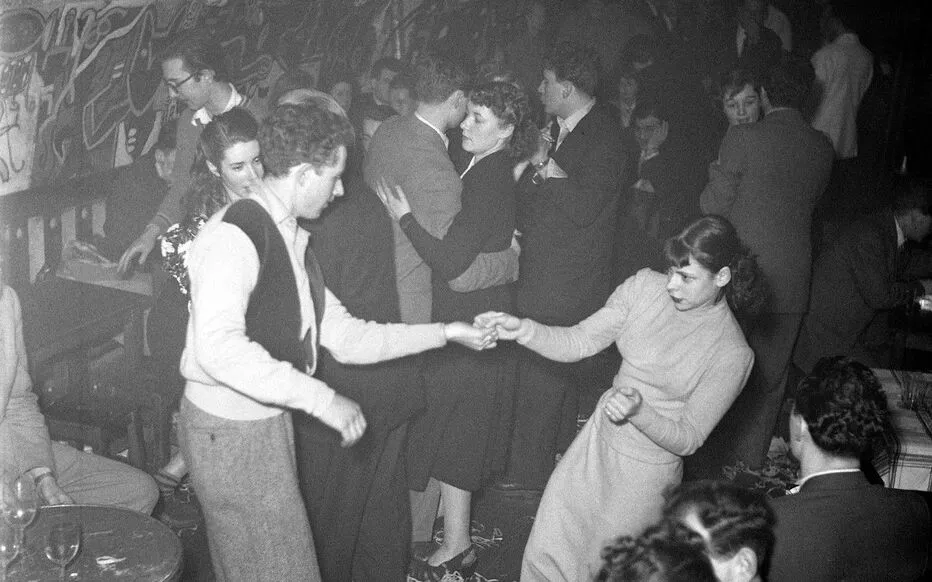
<point>63,317</point>
<point>905,460</point>
<point>116,544</point>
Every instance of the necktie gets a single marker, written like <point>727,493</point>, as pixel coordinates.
<point>318,297</point>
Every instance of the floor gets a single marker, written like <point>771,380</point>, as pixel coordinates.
<point>501,525</point>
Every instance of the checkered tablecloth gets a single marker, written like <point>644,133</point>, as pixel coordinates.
<point>904,457</point>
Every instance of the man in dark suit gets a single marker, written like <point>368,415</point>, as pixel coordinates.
<point>746,43</point>
<point>766,181</point>
<point>838,526</point>
<point>859,278</point>
<point>566,213</point>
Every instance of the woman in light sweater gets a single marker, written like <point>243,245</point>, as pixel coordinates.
<point>685,360</point>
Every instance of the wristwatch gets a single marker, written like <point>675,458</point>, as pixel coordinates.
<point>537,179</point>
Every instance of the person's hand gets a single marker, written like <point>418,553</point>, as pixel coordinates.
<point>51,493</point>
<point>544,143</point>
<point>519,169</point>
<point>657,138</point>
<point>474,338</point>
<point>344,416</point>
<point>141,247</point>
<point>394,199</point>
<point>622,404</point>
<point>507,326</point>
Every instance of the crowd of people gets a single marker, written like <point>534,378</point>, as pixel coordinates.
<point>381,303</point>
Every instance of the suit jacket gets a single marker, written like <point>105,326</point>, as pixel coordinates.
<point>24,438</point>
<point>409,153</point>
<point>757,58</point>
<point>767,180</point>
<point>568,225</point>
<point>840,527</point>
<point>854,280</point>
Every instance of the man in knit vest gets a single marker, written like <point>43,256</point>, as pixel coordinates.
<point>192,69</point>
<point>259,312</point>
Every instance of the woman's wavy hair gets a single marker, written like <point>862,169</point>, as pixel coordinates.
<point>663,553</point>
<point>843,405</point>
<point>509,102</point>
<point>206,194</point>
<point>713,242</point>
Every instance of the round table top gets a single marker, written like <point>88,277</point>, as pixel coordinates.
<point>116,544</point>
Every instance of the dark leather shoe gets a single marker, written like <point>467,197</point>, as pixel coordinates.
<point>516,486</point>
<point>460,567</point>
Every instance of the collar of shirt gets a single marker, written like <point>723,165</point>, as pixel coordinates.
<point>569,124</point>
<point>847,38</point>
<point>203,117</point>
<point>796,489</point>
<point>900,236</point>
<point>443,136</point>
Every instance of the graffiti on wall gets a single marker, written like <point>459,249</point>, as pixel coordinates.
<point>80,82</point>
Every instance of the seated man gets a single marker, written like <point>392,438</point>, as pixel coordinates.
<point>838,526</point>
<point>856,281</point>
<point>736,524</point>
<point>63,475</point>
<point>134,192</point>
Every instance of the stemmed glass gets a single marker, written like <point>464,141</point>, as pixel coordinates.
<point>10,545</point>
<point>20,503</point>
<point>62,545</point>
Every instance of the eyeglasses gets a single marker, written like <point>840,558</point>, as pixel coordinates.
<point>175,85</point>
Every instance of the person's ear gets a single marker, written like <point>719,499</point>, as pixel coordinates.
<point>206,75</point>
<point>745,565</point>
<point>567,89</point>
<point>723,277</point>
<point>213,169</point>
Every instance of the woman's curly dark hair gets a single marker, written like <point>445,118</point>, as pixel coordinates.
<point>843,405</point>
<point>509,102</point>
<point>663,553</point>
<point>713,242</point>
<point>206,194</point>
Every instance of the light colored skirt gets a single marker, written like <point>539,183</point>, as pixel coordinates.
<point>245,478</point>
<point>594,495</point>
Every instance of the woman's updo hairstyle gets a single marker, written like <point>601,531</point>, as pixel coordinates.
<point>207,195</point>
<point>713,242</point>
<point>843,405</point>
<point>509,102</point>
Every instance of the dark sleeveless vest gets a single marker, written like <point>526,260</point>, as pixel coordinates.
<point>273,316</point>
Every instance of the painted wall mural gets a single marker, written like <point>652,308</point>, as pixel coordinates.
<point>80,84</point>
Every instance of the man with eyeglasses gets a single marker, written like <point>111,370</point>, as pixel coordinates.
<point>192,69</point>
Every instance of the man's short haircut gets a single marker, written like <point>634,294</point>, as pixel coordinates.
<point>386,63</point>
<point>198,51</point>
<point>663,553</point>
<point>733,516</point>
<point>843,405</point>
<point>437,77</point>
<point>648,106</point>
<point>167,136</point>
<point>289,80</point>
<point>575,63</point>
<point>788,83</point>
<point>732,82</point>
<point>302,134</point>
<point>850,15</point>
<point>911,193</point>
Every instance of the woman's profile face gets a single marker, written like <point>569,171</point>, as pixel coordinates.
<point>743,106</point>
<point>241,168</point>
<point>483,131</point>
<point>692,286</point>
<point>343,93</point>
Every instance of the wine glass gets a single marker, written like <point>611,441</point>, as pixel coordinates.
<point>10,544</point>
<point>62,545</point>
<point>25,503</point>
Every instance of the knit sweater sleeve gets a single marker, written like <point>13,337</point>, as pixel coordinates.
<point>720,381</point>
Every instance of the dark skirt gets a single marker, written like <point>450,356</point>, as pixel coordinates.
<point>460,439</point>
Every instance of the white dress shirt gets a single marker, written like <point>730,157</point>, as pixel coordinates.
<point>844,69</point>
